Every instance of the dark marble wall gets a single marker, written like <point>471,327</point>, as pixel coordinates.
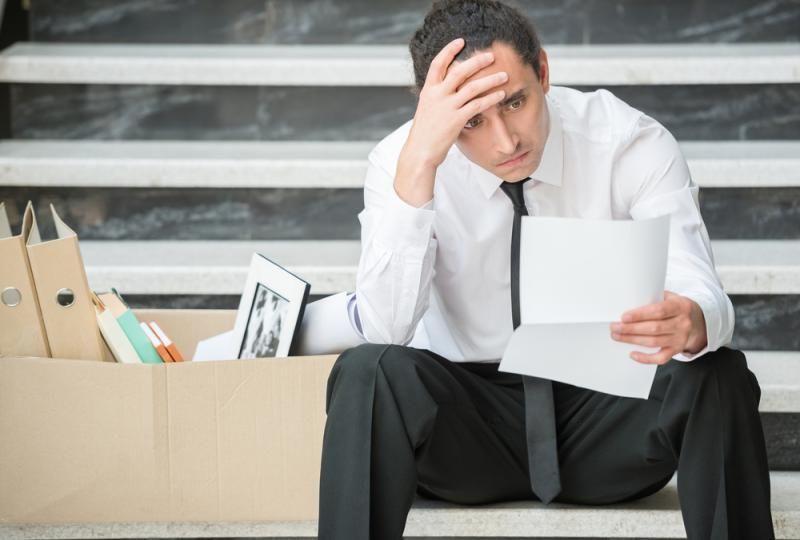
<point>48,111</point>
<point>387,21</point>
<point>196,214</point>
<point>751,212</point>
<point>767,322</point>
<point>293,214</point>
<point>207,112</point>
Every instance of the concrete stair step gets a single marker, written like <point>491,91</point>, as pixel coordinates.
<point>383,65</point>
<point>298,164</point>
<point>220,267</point>
<point>657,516</point>
<point>778,375</point>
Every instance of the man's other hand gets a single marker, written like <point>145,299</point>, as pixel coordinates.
<point>676,325</point>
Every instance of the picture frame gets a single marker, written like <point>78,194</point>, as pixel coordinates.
<point>270,311</point>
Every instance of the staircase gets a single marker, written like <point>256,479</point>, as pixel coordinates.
<point>179,136</point>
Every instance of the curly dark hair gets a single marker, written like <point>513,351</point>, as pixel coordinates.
<point>480,23</point>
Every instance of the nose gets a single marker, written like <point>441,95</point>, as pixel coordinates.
<point>505,142</point>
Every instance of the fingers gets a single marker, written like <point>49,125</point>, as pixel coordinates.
<point>438,68</point>
<point>660,310</point>
<point>478,105</point>
<point>661,357</point>
<point>462,71</point>
<point>479,86</point>
<point>645,341</point>
<point>650,328</point>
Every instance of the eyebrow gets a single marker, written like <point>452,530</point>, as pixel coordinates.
<point>513,97</point>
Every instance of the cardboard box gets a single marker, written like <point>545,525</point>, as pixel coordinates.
<point>91,441</point>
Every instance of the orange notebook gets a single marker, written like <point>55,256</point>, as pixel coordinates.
<point>170,346</point>
<point>160,349</point>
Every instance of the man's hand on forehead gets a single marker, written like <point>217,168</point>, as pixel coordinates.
<point>452,74</point>
<point>446,103</point>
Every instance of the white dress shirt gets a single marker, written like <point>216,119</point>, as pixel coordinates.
<point>439,276</point>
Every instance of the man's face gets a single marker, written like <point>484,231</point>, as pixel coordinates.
<point>508,139</point>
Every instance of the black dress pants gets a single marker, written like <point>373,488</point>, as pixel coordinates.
<point>403,420</point>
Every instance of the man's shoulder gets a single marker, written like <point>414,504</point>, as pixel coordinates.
<point>598,115</point>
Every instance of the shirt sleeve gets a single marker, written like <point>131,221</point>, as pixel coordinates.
<point>660,183</point>
<point>396,267</point>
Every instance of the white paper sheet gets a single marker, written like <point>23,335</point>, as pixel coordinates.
<point>576,277</point>
<point>219,347</point>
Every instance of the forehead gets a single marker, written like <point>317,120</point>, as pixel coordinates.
<point>505,59</point>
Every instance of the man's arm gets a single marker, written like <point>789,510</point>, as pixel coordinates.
<point>398,253</point>
<point>696,316</point>
<point>397,241</point>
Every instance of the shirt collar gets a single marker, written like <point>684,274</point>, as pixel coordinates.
<point>551,166</point>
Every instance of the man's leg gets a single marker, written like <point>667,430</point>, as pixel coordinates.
<point>399,418</point>
<point>702,417</point>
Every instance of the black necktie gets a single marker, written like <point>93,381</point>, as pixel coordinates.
<point>540,419</point>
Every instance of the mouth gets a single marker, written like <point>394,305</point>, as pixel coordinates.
<point>515,160</point>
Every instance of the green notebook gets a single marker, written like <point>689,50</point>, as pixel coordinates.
<point>130,325</point>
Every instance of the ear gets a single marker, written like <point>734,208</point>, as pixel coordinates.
<point>544,71</point>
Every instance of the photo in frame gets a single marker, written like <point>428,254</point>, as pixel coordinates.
<point>270,311</point>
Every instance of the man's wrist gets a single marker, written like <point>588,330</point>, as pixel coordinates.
<point>414,179</point>
<point>698,336</point>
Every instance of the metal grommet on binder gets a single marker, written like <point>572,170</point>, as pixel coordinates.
<point>11,296</point>
<point>65,297</point>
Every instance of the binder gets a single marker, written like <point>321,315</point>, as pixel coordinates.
<point>64,295</point>
<point>22,331</point>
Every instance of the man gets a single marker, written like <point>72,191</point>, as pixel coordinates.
<point>490,141</point>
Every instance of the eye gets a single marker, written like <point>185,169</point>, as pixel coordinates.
<point>473,122</point>
<point>516,104</point>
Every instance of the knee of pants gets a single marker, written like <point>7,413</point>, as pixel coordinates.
<point>725,368</point>
<point>358,365</point>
